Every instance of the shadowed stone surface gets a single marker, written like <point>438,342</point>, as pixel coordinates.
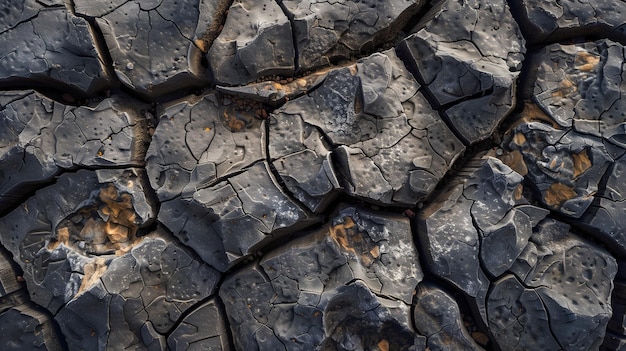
<point>46,43</point>
<point>261,175</point>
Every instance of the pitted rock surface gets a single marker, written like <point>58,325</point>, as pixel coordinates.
<point>312,175</point>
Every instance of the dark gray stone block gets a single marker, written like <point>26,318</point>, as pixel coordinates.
<point>302,294</point>
<point>39,137</point>
<point>437,316</point>
<point>518,317</point>
<point>24,327</point>
<point>48,45</point>
<point>327,31</point>
<point>230,220</point>
<point>391,147</point>
<point>199,141</point>
<point>564,166</point>
<point>256,42</point>
<point>152,44</point>
<point>573,280</point>
<point>468,54</point>
<point>204,328</point>
<point>478,225</point>
<point>553,20</point>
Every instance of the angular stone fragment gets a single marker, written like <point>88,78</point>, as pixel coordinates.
<point>391,147</point>
<point>606,217</point>
<point>468,54</point>
<point>436,315</point>
<point>565,167</point>
<point>313,291</point>
<point>39,137</point>
<point>518,317</point>
<point>303,160</point>
<point>554,20</point>
<point>229,220</point>
<point>572,280</point>
<point>583,87</point>
<point>25,328</point>
<point>327,31</point>
<point>151,43</point>
<point>203,328</point>
<point>479,225</point>
<point>199,140</point>
<point>256,42</point>
<point>47,45</point>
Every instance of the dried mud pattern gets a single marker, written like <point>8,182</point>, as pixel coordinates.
<point>312,175</point>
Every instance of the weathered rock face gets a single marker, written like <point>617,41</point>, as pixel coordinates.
<point>314,291</point>
<point>312,175</point>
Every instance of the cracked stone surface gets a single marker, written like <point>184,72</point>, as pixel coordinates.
<point>40,137</point>
<point>480,214</point>
<point>438,317</point>
<point>561,19</point>
<point>326,281</point>
<point>44,42</point>
<point>312,175</point>
<point>391,147</point>
<point>325,31</point>
<point>468,55</point>
<point>566,292</point>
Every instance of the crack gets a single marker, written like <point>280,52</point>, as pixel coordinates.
<point>291,17</point>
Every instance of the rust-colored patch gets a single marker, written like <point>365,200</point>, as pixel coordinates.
<point>350,239</point>
<point>108,226</point>
<point>585,61</point>
<point>534,113</point>
<point>558,193</point>
<point>201,44</point>
<point>519,139</point>
<point>62,237</point>
<point>383,345</point>
<point>515,160</point>
<point>566,88</point>
<point>518,194</point>
<point>353,70</point>
<point>92,272</point>
<point>480,338</point>
<point>581,163</point>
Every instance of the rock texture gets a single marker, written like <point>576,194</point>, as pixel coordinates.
<point>312,175</point>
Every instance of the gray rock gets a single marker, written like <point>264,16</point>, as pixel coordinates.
<point>552,20</point>
<point>50,46</point>
<point>518,317</point>
<point>203,328</point>
<point>468,54</point>
<point>152,44</point>
<point>230,220</point>
<point>40,137</point>
<point>391,147</point>
<point>437,316</point>
<point>564,166</point>
<point>328,31</point>
<point>302,295</point>
<point>198,142</point>
<point>480,220</point>
<point>581,86</point>
<point>256,42</point>
<point>65,236</point>
<point>572,278</point>
<point>303,161</point>
<point>24,327</point>
<point>606,217</point>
